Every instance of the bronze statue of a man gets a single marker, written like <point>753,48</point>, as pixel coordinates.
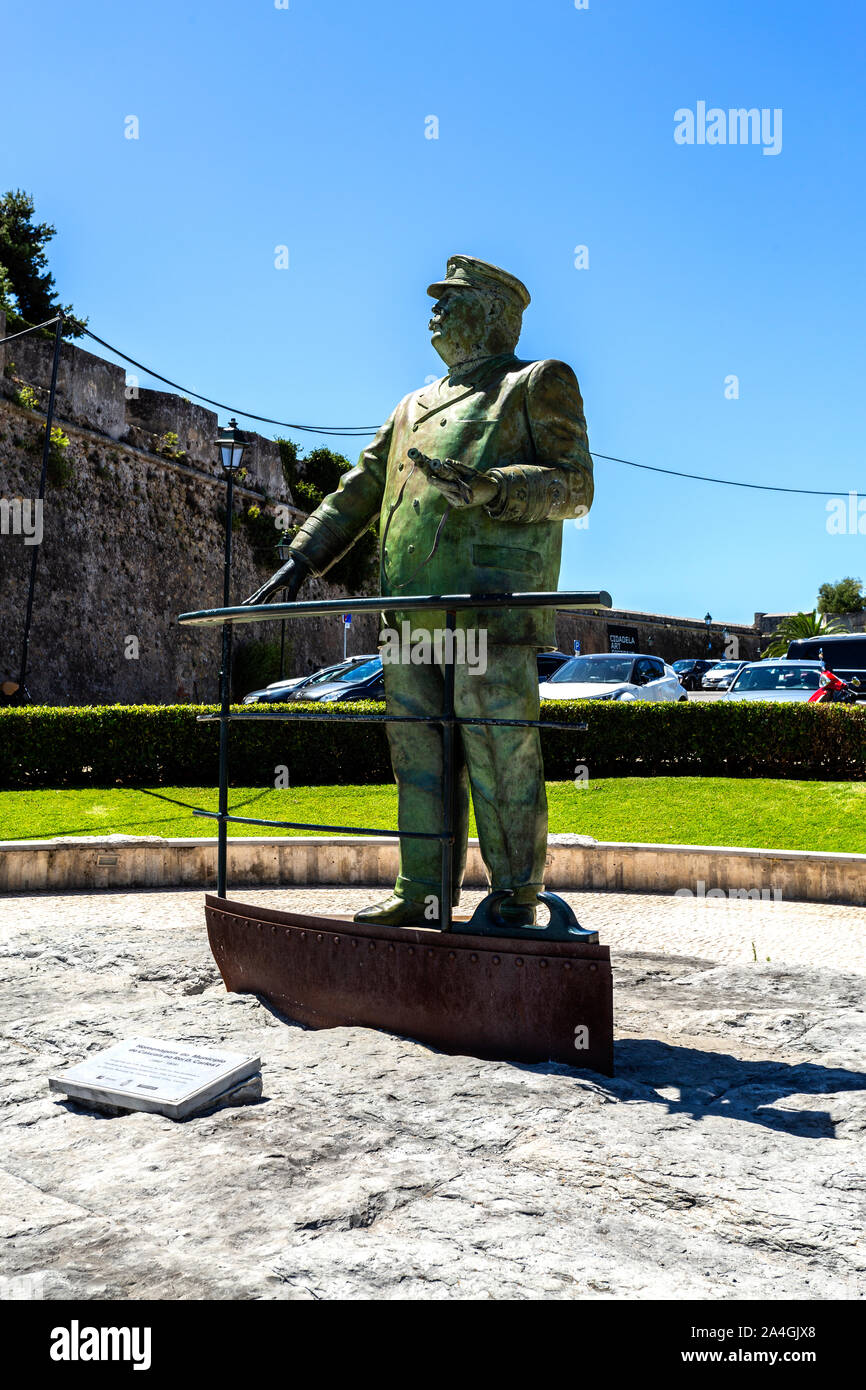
<point>510,463</point>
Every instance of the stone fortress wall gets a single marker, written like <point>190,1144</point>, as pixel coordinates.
<point>133,536</point>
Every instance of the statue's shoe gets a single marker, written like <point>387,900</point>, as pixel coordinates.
<point>395,912</point>
<point>405,912</point>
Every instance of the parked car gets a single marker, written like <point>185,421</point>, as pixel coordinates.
<point>608,676</point>
<point>690,671</point>
<point>776,680</point>
<point>548,662</point>
<point>352,680</point>
<point>369,684</point>
<point>364,682</point>
<point>289,689</point>
<point>720,675</point>
<point>276,692</point>
<point>334,677</point>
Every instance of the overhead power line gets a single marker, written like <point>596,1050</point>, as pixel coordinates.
<point>345,430</point>
<point>364,431</point>
<point>727,482</point>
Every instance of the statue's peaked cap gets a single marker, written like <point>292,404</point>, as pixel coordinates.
<point>463,271</point>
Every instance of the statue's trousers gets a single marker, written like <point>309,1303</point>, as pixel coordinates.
<point>502,765</point>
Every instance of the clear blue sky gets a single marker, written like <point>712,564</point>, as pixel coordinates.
<point>305,127</point>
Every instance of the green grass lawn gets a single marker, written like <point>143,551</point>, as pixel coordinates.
<point>757,812</point>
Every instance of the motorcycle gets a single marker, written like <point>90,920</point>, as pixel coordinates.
<point>833,690</point>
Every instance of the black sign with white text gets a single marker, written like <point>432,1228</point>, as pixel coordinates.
<point>622,639</point>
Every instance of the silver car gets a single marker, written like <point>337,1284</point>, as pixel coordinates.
<point>720,676</point>
<point>776,680</point>
<point>612,676</point>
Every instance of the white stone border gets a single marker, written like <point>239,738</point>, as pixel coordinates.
<point>574,862</point>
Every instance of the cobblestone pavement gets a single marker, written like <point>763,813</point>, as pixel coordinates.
<point>732,931</point>
<point>722,1161</point>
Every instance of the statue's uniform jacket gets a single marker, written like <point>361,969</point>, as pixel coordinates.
<point>523,424</point>
<point>520,422</point>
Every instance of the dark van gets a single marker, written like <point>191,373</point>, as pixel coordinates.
<point>845,655</point>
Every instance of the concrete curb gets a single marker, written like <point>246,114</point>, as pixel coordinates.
<point>573,862</point>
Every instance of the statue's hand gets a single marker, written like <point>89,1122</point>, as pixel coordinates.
<point>289,577</point>
<point>459,484</point>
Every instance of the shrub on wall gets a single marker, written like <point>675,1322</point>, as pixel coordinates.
<point>149,745</point>
<point>310,479</point>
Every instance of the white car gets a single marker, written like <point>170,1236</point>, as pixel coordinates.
<point>776,680</point>
<point>720,676</point>
<point>612,676</point>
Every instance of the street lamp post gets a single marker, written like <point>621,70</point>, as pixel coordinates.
<point>284,550</point>
<point>708,618</point>
<point>231,444</point>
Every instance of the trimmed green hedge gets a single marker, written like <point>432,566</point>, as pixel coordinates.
<point>152,745</point>
<point>149,745</point>
<point>736,738</point>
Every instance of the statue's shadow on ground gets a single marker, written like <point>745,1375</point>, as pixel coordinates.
<point>697,1084</point>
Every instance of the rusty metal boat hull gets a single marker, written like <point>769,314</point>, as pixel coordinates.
<point>479,996</point>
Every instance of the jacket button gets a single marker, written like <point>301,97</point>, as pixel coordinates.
<point>399,468</point>
<point>411,549</point>
<point>443,422</point>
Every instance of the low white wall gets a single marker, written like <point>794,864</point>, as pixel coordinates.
<point>573,862</point>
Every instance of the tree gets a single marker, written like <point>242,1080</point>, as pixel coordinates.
<point>27,289</point>
<point>7,293</point>
<point>844,597</point>
<point>310,480</point>
<point>800,625</point>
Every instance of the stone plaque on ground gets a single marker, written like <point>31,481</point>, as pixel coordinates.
<point>169,1078</point>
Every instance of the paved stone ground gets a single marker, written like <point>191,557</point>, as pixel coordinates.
<point>723,1161</point>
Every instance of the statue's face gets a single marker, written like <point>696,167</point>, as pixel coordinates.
<point>461,324</point>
